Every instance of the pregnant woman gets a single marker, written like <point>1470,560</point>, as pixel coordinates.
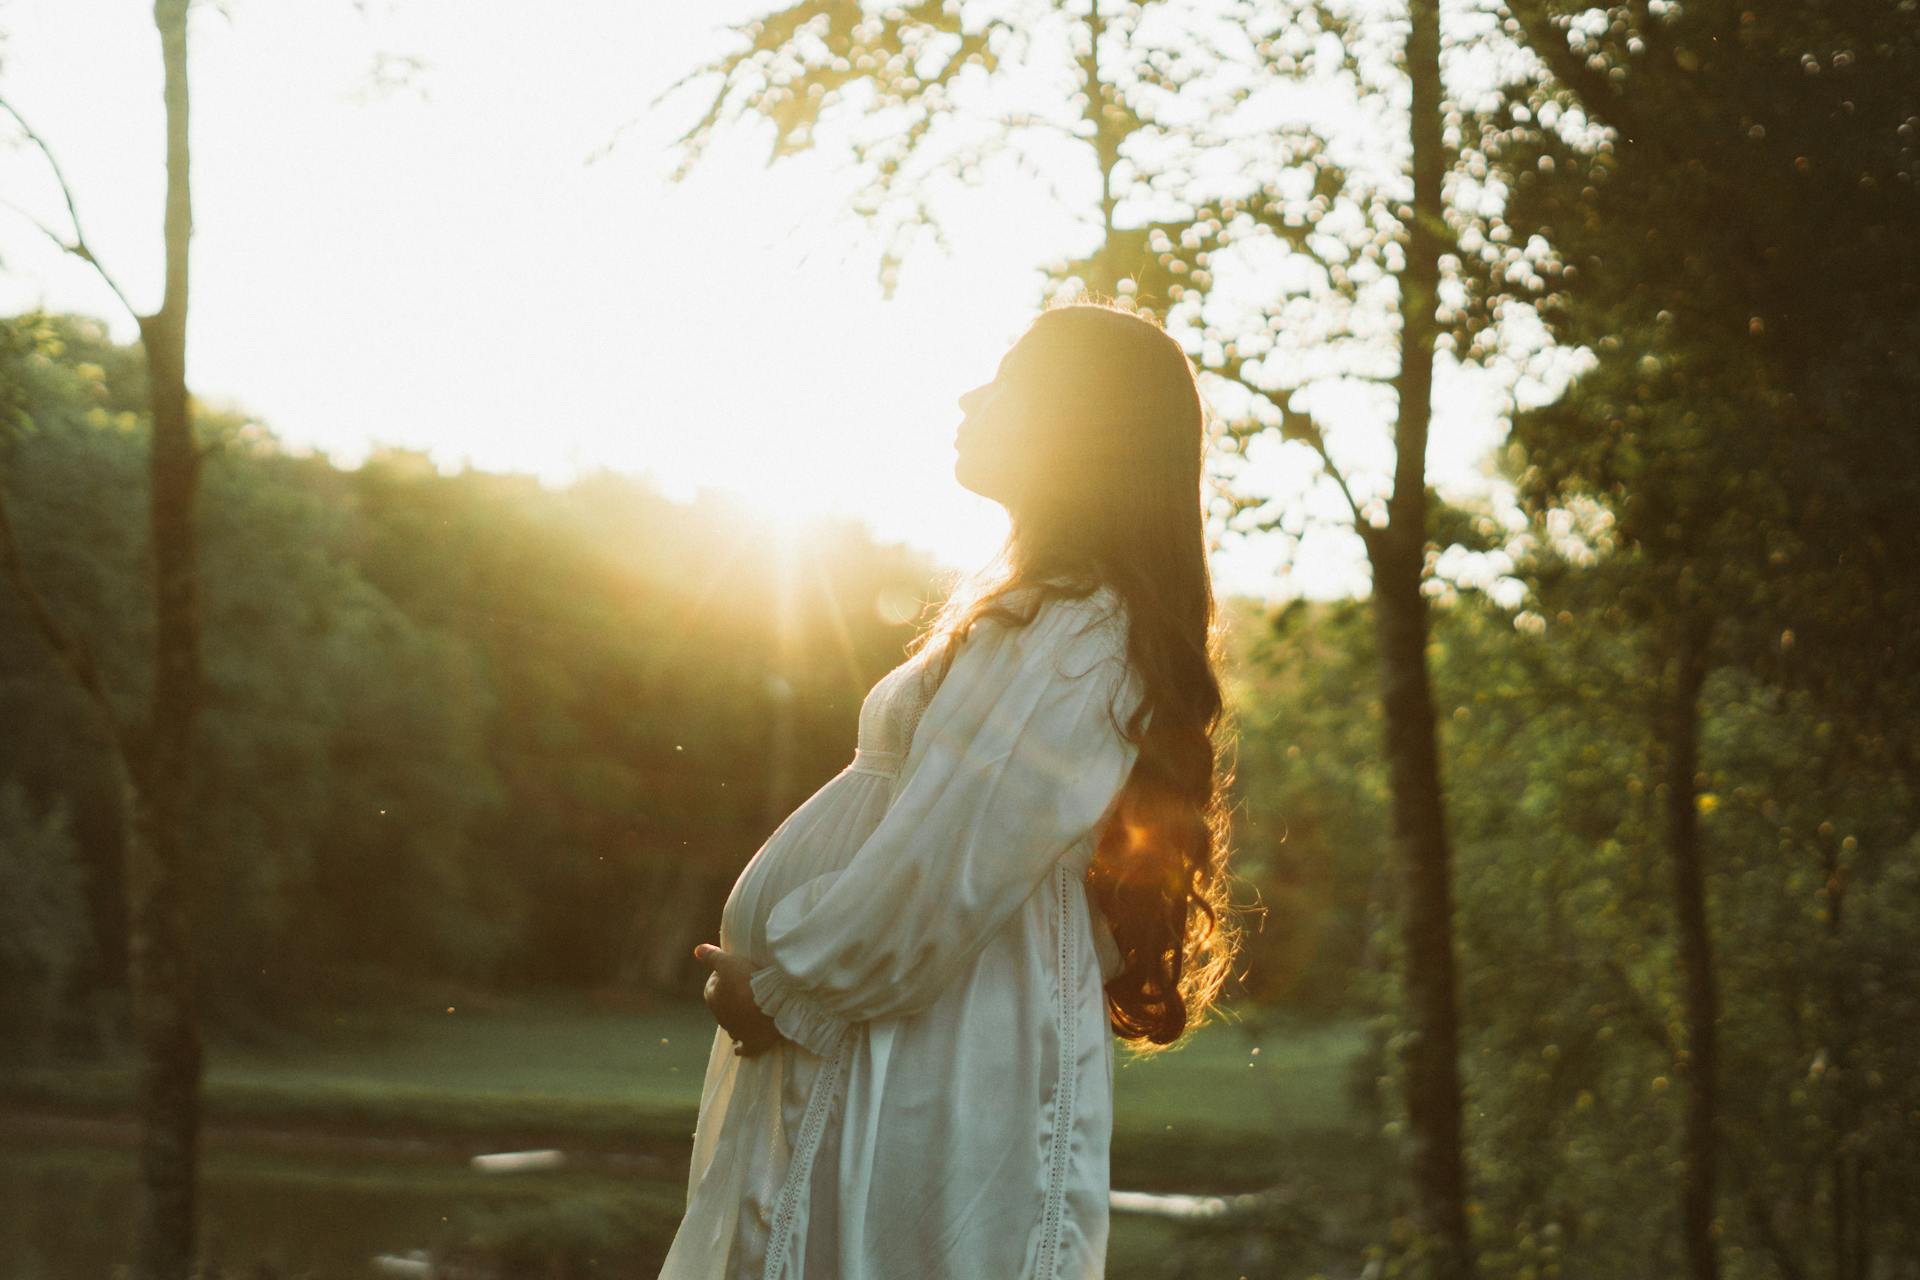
<point>920,975</point>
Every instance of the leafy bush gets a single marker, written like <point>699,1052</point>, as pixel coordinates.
<point>43,919</point>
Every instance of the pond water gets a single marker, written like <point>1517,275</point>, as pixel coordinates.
<point>316,1201</point>
<point>66,1213</point>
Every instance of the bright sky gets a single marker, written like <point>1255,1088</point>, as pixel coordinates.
<point>437,266</point>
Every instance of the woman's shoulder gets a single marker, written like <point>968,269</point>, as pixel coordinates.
<point>1068,637</point>
<point>1100,606</point>
<point>1055,613</point>
<point>1081,632</point>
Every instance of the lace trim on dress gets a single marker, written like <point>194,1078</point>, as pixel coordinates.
<point>917,698</point>
<point>911,720</point>
<point>1063,1091</point>
<point>800,1168</point>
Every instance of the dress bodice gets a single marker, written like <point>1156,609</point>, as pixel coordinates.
<point>817,838</point>
<point>891,711</point>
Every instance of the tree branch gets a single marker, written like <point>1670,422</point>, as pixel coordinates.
<point>59,175</point>
<point>1030,120</point>
<point>1594,91</point>
<point>78,246</point>
<point>1314,437</point>
<point>1295,425</point>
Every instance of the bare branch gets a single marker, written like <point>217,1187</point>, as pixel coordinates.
<point>59,175</point>
<point>1295,425</point>
<point>1028,120</point>
<point>59,241</point>
<point>78,246</point>
<point>78,250</point>
<point>1314,437</point>
<point>1595,93</point>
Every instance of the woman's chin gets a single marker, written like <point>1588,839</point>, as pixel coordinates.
<point>987,486</point>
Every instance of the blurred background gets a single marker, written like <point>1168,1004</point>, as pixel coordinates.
<point>420,599</point>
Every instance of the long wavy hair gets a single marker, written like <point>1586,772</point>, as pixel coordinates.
<point>1115,436</point>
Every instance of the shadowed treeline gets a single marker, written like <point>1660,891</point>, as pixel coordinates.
<point>458,725</point>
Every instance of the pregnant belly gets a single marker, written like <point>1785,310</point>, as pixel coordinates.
<point>819,837</point>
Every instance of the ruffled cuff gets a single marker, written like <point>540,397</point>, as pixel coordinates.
<point>799,1016</point>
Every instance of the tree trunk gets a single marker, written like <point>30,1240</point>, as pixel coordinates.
<point>1851,1227</point>
<point>1697,1065</point>
<point>1422,852</point>
<point>161,960</point>
<point>1397,555</point>
<point>169,1073</point>
<point>1103,275</point>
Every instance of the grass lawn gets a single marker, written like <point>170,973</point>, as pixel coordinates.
<point>1228,1111</point>
<point>583,1076</point>
<point>553,1067</point>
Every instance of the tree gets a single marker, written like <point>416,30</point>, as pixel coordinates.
<point>1723,189</point>
<point>157,755</point>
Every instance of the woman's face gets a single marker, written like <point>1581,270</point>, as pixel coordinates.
<point>987,443</point>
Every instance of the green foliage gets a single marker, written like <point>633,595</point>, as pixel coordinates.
<point>1567,971</point>
<point>1310,795</point>
<point>1567,948</point>
<point>630,645</point>
<point>1732,255</point>
<point>1569,967</point>
<point>43,923</point>
<point>1709,201</point>
<point>459,726</point>
<point>835,60</point>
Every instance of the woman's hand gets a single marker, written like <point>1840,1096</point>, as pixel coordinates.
<point>730,998</point>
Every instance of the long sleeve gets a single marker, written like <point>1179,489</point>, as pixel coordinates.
<point>1014,761</point>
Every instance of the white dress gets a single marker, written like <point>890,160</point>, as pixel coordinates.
<point>940,1106</point>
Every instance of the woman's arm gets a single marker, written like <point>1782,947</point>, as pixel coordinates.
<point>1014,761</point>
